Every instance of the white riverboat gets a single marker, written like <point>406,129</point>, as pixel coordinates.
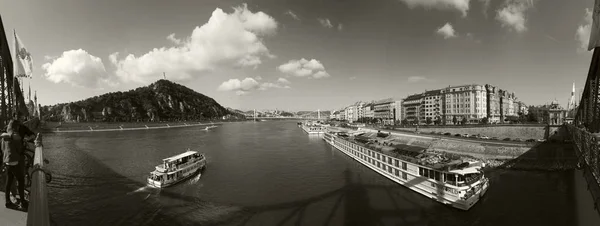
<point>313,128</point>
<point>176,169</point>
<point>454,181</point>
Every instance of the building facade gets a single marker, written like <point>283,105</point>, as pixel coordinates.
<point>411,107</point>
<point>466,101</point>
<point>431,107</point>
<point>385,111</point>
<point>368,111</point>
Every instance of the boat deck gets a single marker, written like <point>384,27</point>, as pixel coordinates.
<point>417,155</point>
<point>11,216</point>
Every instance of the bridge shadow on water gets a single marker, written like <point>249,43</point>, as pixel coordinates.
<point>104,197</point>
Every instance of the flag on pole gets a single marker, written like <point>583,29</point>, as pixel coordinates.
<point>24,64</point>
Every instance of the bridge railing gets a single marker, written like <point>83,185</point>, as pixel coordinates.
<point>588,146</point>
<point>38,213</point>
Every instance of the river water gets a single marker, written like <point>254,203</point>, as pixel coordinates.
<point>272,173</point>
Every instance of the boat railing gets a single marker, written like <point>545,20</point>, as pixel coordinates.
<point>474,190</point>
<point>38,213</point>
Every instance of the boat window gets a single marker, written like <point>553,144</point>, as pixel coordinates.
<point>437,176</point>
<point>425,172</point>
<point>404,165</point>
<point>404,176</point>
<point>450,178</point>
<point>431,174</point>
<point>397,163</point>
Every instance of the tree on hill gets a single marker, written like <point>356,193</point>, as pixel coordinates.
<point>454,119</point>
<point>464,120</point>
<point>428,120</point>
<point>162,100</point>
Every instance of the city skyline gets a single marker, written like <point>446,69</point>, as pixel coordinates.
<point>304,55</point>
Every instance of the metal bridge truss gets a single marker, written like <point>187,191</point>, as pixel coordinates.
<point>585,131</point>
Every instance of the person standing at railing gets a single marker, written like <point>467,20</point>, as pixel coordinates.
<point>12,152</point>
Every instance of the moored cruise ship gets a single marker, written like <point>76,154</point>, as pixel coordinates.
<point>176,169</point>
<point>450,180</point>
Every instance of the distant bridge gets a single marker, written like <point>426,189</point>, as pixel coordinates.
<point>306,116</point>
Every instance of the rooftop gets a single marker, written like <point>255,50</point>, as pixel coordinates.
<point>173,158</point>
<point>436,160</point>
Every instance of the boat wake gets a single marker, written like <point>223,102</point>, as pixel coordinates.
<point>196,178</point>
<point>140,190</point>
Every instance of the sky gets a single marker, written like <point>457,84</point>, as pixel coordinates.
<point>303,54</point>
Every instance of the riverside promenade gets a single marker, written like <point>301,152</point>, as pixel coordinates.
<point>37,195</point>
<point>10,216</point>
<point>103,127</point>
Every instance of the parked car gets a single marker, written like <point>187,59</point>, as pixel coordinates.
<point>484,137</point>
<point>465,135</point>
<point>448,134</point>
<point>541,140</point>
<point>506,139</point>
<point>530,140</point>
<point>474,136</point>
<point>517,139</point>
<point>457,135</point>
<point>494,138</point>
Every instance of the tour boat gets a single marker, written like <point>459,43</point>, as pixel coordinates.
<point>451,180</point>
<point>313,128</point>
<point>176,169</point>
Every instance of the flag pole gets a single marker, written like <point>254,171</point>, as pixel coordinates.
<point>14,79</point>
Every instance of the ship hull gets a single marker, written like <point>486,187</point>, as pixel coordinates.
<point>180,175</point>
<point>408,177</point>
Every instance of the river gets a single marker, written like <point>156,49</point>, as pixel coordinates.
<point>272,173</point>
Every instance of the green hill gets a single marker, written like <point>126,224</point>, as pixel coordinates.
<point>160,101</point>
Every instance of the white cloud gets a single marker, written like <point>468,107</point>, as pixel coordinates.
<point>113,58</point>
<point>321,74</point>
<point>512,14</point>
<point>227,39</point>
<point>78,68</point>
<point>243,87</point>
<point>292,14</point>
<point>325,23</point>
<point>447,31</point>
<point>50,57</point>
<point>582,35</point>
<point>258,78</point>
<point>414,79</point>
<point>172,38</point>
<point>340,27</point>
<point>303,68</point>
<point>352,78</point>
<point>283,81</point>
<point>458,5</point>
<point>268,85</point>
